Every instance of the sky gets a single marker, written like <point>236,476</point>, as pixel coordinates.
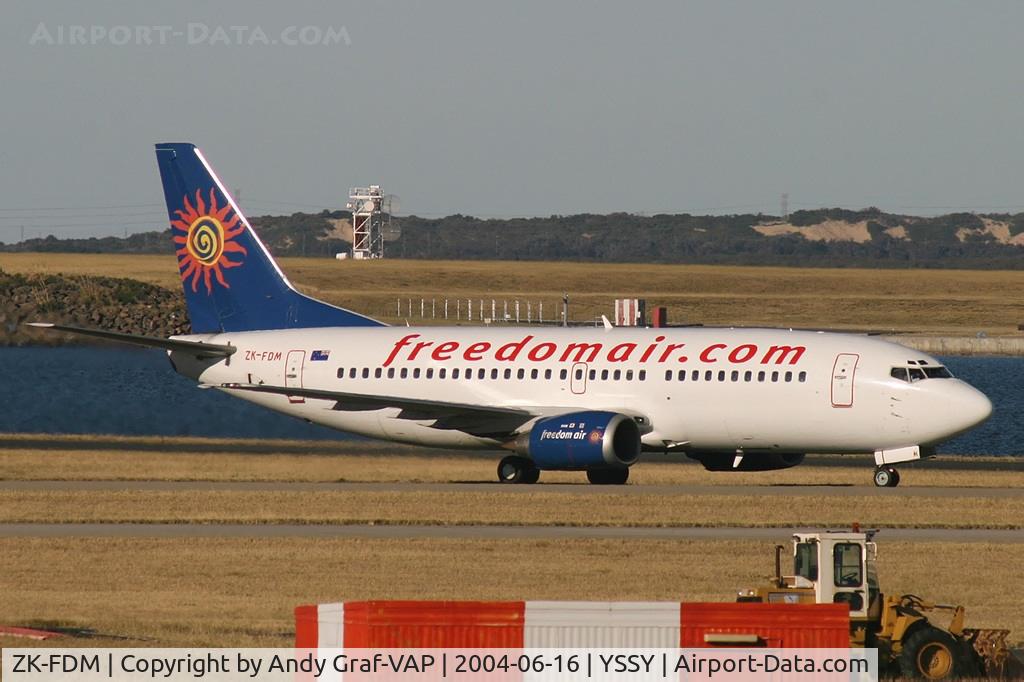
<point>510,109</point>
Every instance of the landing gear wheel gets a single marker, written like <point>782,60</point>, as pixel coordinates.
<point>617,476</point>
<point>514,469</point>
<point>887,477</point>
<point>931,654</point>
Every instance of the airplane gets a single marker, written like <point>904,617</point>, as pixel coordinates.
<point>591,399</point>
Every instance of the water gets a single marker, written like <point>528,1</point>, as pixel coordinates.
<point>135,392</point>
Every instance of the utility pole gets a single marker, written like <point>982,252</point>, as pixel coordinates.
<point>565,309</point>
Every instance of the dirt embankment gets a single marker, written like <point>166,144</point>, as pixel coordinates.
<point>122,305</point>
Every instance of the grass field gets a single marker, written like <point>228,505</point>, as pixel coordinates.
<point>207,592</point>
<point>553,507</point>
<point>940,301</point>
<point>111,458</point>
<point>234,592</point>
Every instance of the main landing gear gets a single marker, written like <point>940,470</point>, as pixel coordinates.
<point>514,469</point>
<point>610,476</point>
<point>887,477</point>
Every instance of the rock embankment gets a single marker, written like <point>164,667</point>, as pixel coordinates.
<point>115,304</point>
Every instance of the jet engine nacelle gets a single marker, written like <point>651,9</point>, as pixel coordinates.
<point>581,440</point>
<point>753,462</point>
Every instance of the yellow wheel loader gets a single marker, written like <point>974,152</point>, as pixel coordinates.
<point>914,637</point>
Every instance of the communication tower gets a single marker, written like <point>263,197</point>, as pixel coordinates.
<point>368,220</point>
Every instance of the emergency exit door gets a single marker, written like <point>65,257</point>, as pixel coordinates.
<point>842,379</point>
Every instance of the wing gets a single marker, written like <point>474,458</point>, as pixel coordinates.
<point>480,419</point>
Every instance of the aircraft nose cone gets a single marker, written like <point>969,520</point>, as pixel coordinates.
<point>973,408</point>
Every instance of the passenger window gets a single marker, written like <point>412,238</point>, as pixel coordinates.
<point>468,374</point>
<point>366,372</point>
<point>748,375</point>
<point>579,374</point>
<point>430,372</point>
<point>775,377</point>
<point>494,374</point>
<point>405,372</point>
<point>416,373</point>
<point>521,374</point>
<point>629,375</point>
<point>352,373</point>
<point>760,375</point>
<point>846,560</point>
<point>682,374</point>
<point>481,373</point>
<point>708,375</point>
<point>604,375</point>
<point>721,375</point>
<point>441,373</point>
<point>534,373</point>
<point>341,372</point>
<point>563,374</point>
<point>617,374</point>
<point>695,376</point>
<point>508,373</point>
<point>735,375</point>
<point>642,375</point>
<point>668,375</point>
<point>391,372</point>
<point>593,374</point>
<point>789,377</point>
<point>455,373</point>
<point>547,374</point>
<point>802,377</point>
<point>376,373</point>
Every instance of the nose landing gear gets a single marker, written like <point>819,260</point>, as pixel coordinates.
<point>887,477</point>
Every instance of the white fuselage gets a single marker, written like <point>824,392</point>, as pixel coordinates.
<point>698,389</point>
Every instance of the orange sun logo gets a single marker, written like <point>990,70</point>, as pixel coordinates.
<point>204,239</point>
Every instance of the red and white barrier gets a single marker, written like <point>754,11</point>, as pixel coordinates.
<point>547,624</point>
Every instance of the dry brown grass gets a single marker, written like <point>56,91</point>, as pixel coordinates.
<point>499,507</point>
<point>215,592</point>
<point>953,301</point>
<point>237,592</point>
<point>34,457</point>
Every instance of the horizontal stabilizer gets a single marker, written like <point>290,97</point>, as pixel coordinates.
<point>203,350</point>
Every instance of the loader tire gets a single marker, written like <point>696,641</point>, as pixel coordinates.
<point>930,654</point>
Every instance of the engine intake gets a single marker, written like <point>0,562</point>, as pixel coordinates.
<point>751,462</point>
<point>581,440</point>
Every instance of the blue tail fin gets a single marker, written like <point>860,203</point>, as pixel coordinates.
<point>231,282</point>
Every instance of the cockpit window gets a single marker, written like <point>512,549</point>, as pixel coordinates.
<point>912,374</point>
<point>899,373</point>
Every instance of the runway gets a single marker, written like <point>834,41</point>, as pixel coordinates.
<point>468,532</point>
<point>498,488</point>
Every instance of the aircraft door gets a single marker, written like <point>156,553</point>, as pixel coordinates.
<point>578,378</point>
<point>843,372</point>
<point>293,373</point>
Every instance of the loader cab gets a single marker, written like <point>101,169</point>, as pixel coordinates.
<point>840,567</point>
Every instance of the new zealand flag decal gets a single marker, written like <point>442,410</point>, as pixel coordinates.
<point>319,355</point>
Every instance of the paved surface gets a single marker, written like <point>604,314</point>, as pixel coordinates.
<point>181,530</point>
<point>553,488</point>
